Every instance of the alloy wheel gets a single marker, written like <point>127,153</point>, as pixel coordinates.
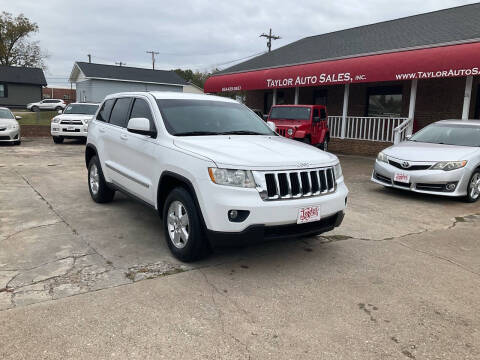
<point>178,224</point>
<point>94,179</point>
<point>475,186</point>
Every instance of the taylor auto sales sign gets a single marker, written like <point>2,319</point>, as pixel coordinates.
<point>438,62</point>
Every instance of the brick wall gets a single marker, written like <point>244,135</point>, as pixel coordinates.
<point>67,95</point>
<point>356,147</point>
<point>35,131</point>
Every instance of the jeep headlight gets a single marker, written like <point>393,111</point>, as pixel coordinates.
<point>338,171</point>
<point>382,157</point>
<point>290,132</point>
<point>232,177</point>
<point>56,120</point>
<point>449,165</point>
<point>12,126</point>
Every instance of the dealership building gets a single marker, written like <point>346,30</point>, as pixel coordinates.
<point>380,82</point>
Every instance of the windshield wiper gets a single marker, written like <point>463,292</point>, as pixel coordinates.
<point>241,132</point>
<point>197,133</point>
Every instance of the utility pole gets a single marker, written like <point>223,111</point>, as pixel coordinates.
<point>153,57</point>
<point>120,63</point>
<point>270,37</point>
<point>89,58</point>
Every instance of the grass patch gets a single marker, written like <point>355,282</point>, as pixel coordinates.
<point>35,118</point>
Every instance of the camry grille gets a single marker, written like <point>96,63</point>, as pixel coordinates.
<point>294,184</point>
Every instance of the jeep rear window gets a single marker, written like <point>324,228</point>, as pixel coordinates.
<point>184,117</point>
<point>290,113</point>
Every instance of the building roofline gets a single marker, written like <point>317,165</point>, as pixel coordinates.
<point>467,41</point>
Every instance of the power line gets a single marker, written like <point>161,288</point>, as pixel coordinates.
<point>153,57</point>
<point>270,37</point>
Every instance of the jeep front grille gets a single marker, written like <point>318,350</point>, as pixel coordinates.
<point>279,185</point>
<point>281,132</point>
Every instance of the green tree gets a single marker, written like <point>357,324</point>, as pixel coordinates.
<point>16,49</point>
<point>198,78</point>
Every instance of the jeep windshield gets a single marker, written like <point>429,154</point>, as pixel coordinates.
<point>184,117</point>
<point>290,113</point>
<point>449,134</point>
<point>83,109</point>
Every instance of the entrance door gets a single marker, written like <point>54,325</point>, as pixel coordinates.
<point>320,97</point>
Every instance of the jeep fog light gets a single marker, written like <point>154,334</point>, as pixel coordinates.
<point>238,215</point>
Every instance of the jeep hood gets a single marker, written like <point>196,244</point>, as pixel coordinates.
<point>256,152</point>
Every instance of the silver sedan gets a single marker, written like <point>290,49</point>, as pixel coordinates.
<point>9,127</point>
<point>442,158</point>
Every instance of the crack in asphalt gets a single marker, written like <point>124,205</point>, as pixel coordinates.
<point>453,262</point>
<point>220,312</point>
<point>28,229</point>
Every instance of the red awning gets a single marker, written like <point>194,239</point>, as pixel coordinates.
<point>439,62</point>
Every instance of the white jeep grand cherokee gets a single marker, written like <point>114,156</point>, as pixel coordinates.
<point>213,169</point>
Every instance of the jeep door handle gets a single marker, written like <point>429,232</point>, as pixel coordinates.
<point>123,137</point>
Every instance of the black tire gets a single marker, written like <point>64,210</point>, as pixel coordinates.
<point>196,246</point>
<point>58,140</point>
<point>35,108</point>
<point>102,193</point>
<point>471,195</point>
<point>18,142</point>
<point>324,145</point>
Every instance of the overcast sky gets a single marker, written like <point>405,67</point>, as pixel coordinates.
<point>197,34</point>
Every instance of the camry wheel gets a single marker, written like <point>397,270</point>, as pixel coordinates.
<point>183,231</point>
<point>35,108</point>
<point>99,190</point>
<point>473,190</point>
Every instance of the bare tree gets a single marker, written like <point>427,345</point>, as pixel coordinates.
<point>16,49</point>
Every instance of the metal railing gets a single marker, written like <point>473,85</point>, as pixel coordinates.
<point>371,128</point>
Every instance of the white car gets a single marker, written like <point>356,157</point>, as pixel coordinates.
<point>47,104</point>
<point>213,169</point>
<point>9,127</point>
<point>73,122</point>
<point>441,159</point>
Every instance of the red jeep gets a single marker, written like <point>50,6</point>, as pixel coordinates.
<point>307,123</point>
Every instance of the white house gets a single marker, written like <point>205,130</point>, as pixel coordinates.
<point>95,81</point>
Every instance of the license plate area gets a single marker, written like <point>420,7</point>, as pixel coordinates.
<point>308,214</point>
<point>402,178</point>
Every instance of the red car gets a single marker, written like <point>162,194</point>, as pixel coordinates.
<point>307,123</point>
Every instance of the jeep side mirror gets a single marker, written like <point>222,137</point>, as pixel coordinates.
<point>271,125</point>
<point>140,126</point>
<point>60,112</point>
<point>407,137</point>
<point>18,117</point>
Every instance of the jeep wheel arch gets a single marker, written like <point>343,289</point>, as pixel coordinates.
<point>90,151</point>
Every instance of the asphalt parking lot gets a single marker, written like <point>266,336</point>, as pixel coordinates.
<point>400,279</point>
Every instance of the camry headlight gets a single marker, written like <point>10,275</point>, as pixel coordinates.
<point>56,120</point>
<point>449,165</point>
<point>338,171</point>
<point>382,157</point>
<point>231,177</point>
